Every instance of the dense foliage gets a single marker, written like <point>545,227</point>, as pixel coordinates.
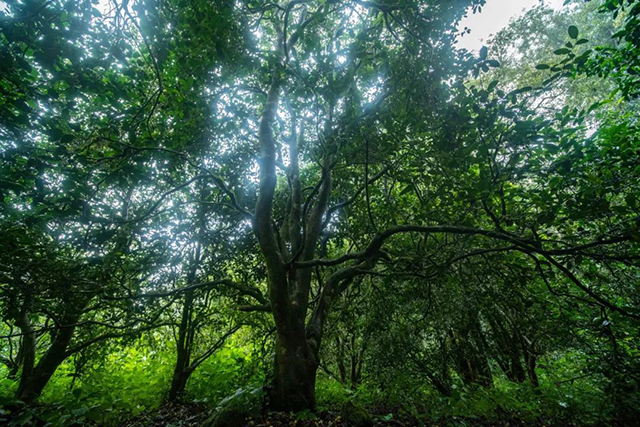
<point>318,205</point>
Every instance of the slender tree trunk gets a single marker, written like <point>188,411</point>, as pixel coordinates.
<point>511,364</point>
<point>471,364</point>
<point>341,366</point>
<point>479,356</point>
<point>485,377</point>
<point>180,371</point>
<point>355,380</point>
<point>443,382</point>
<point>27,352</point>
<point>440,384</point>
<point>15,367</point>
<point>517,371</point>
<point>356,362</point>
<point>531,360</point>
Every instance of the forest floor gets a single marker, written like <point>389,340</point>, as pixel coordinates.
<point>194,415</point>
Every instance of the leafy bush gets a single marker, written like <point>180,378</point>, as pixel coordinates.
<point>330,394</point>
<point>228,370</point>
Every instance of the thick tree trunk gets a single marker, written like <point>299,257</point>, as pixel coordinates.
<point>178,383</point>
<point>296,359</point>
<point>294,379</point>
<point>31,386</point>
<point>181,375</point>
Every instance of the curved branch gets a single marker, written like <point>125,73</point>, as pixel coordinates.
<point>99,338</point>
<point>245,290</point>
<point>521,244</point>
<point>373,252</point>
<point>354,197</point>
<point>215,347</point>
<point>587,290</point>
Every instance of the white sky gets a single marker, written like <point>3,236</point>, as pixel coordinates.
<point>495,15</point>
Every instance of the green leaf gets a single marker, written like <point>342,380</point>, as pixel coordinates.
<point>521,90</point>
<point>483,53</point>
<point>573,32</point>
<point>561,51</point>
<point>619,34</point>
<point>543,67</point>
<point>594,106</point>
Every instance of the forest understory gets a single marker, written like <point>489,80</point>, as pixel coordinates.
<point>179,415</point>
<point>197,415</point>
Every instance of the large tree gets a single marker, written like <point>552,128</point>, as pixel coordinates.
<point>390,104</point>
<point>350,138</point>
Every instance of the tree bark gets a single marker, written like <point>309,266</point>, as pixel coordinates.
<point>471,364</point>
<point>31,385</point>
<point>517,371</point>
<point>180,371</point>
<point>295,367</point>
<point>178,383</point>
<point>27,352</point>
<point>294,377</point>
<point>340,361</point>
<point>531,361</point>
